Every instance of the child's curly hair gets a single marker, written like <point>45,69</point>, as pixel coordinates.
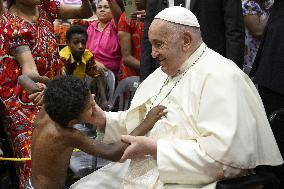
<point>65,99</point>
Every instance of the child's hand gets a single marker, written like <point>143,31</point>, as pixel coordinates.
<point>37,98</point>
<point>41,86</point>
<point>95,70</point>
<point>155,114</point>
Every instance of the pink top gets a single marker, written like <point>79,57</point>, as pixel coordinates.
<point>105,45</point>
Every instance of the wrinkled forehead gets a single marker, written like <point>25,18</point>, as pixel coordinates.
<point>158,29</point>
<point>156,24</point>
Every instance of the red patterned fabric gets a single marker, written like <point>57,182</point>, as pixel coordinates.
<point>40,37</point>
<point>136,29</point>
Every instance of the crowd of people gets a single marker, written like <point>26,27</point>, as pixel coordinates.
<point>210,71</point>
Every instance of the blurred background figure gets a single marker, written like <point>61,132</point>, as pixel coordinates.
<point>74,2</point>
<point>130,34</point>
<point>255,18</point>
<point>102,36</point>
<point>268,73</point>
<point>1,7</point>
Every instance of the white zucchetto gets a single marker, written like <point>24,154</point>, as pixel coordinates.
<point>178,15</point>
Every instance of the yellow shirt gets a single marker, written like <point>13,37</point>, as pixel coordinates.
<point>80,70</point>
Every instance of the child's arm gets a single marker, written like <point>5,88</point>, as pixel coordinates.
<point>114,151</point>
<point>93,71</point>
<point>102,91</point>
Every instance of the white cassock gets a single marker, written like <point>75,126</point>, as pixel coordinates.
<point>215,128</point>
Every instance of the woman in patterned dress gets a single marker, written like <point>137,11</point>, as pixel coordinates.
<point>28,46</point>
<point>255,17</point>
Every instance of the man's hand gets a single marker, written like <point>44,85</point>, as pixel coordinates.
<point>139,147</point>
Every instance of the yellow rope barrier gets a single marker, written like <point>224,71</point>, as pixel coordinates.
<point>14,159</point>
<point>25,159</point>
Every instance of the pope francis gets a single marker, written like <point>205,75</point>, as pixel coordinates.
<point>215,127</point>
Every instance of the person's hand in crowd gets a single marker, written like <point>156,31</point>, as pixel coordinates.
<point>42,86</point>
<point>37,97</point>
<point>92,70</point>
<point>34,86</point>
<point>138,15</point>
<point>100,66</point>
<point>139,146</point>
<point>42,81</point>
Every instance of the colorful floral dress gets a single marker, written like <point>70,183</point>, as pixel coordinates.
<point>40,37</point>
<point>250,7</point>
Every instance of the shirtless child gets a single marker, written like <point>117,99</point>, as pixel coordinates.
<point>67,101</point>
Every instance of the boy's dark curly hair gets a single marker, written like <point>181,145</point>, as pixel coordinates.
<point>65,99</point>
<point>76,29</point>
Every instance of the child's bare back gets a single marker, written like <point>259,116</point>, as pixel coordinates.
<point>51,152</point>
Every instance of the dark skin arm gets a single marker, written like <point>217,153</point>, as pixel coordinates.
<point>34,86</point>
<point>28,84</point>
<point>114,151</point>
<point>126,50</point>
<point>24,57</point>
<point>102,91</point>
<point>1,7</point>
<point>98,73</point>
<point>69,11</point>
<point>115,10</point>
<point>255,25</point>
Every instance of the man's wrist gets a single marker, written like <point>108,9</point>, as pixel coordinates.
<point>152,147</point>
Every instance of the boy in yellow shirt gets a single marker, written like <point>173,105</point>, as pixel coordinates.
<point>79,61</point>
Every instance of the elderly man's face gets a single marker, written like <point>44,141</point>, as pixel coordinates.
<point>165,48</point>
